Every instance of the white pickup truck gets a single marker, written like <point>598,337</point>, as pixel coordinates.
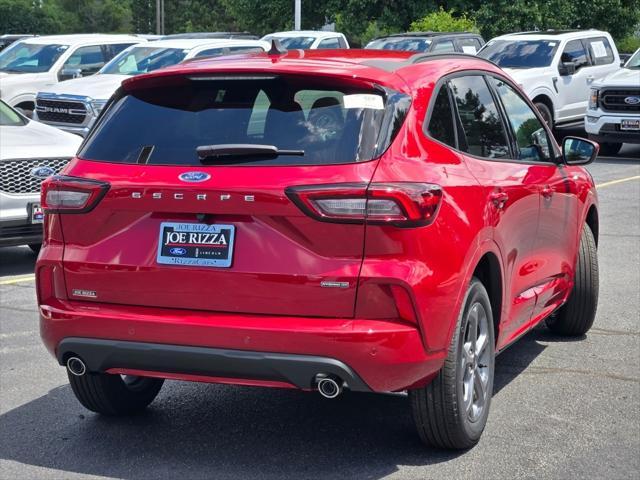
<point>74,105</point>
<point>36,63</point>
<point>613,117</point>
<point>556,68</point>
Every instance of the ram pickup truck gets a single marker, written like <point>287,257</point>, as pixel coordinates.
<point>556,68</point>
<point>613,117</point>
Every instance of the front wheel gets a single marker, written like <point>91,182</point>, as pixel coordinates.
<point>547,116</point>
<point>609,149</point>
<point>451,412</point>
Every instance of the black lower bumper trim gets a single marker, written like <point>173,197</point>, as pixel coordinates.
<point>300,370</point>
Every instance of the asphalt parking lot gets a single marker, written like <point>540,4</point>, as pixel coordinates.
<point>561,408</point>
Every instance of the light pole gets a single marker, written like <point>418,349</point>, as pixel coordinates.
<point>297,16</point>
<point>160,17</point>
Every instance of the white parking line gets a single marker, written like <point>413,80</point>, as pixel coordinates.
<point>28,333</point>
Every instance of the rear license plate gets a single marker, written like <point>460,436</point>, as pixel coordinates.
<point>630,125</point>
<point>36,214</point>
<point>196,244</point>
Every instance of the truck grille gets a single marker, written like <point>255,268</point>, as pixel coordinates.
<point>15,175</point>
<point>59,111</point>
<point>614,100</point>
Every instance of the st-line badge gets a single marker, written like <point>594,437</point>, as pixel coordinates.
<point>195,244</point>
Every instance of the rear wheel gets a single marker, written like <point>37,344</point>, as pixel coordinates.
<point>576,317</point>
<point>114,394</point>
<point>35,247</point>
<point>451,412</point>
<point>610,149</point>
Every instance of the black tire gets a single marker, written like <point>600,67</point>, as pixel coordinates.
<point>576,316</point>
<point>610,149</point>
<point>35,247</point>
<point>546,113</point>
<point>112,394</point>
<point>439,411</point>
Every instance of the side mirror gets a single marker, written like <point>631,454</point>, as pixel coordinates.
<point>566,68</point>
<point>69,73</point>
<point>578,151</point>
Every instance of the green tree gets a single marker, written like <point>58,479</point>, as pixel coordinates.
<point>443,21</point>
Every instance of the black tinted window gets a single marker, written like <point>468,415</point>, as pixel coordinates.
<point>531,137</point>
<point>331,125</point>
<point>444,46</point>
<point>483,128</point>
<point>441,126</point>
<point>574,52</point>
<point>600,50</point>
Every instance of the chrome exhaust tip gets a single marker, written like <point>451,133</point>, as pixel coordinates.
<point>76,366</point>
<point>329,386</point>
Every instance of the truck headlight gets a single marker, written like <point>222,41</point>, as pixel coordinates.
<point>97,106</point>
<point>593,99</point>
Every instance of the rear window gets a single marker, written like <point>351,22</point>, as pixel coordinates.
<point>165,125</point>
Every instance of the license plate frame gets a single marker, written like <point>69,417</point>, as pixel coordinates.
<point>196,244</point>
<point>36,213</point>
<point>630,125</point>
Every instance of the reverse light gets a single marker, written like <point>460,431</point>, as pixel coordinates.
<point>400,204</point>
<point>62,194</point>
<point>593,99</point>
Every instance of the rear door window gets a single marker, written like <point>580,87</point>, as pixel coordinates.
<point>329,43</point>
<point>330,125</point>
<point>444,46</point>
<point>469,45</point>
<point>600,50</point>
<point>484,130</point>
<point>575,52</point>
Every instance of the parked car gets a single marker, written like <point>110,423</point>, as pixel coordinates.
<point>380,221</point>
<point>30,65</point>
<point>613,117</point>
<point>556,68</point>
<point>219,35</point>
<point>462,42</point>
<point>74,105</point>
<point>9,38</point>
<point>29,152</point>
<point>309,39</point>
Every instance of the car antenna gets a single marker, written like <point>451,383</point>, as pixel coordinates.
<point>276,48</point>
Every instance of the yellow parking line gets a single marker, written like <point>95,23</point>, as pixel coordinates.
<point>615,182</point>
<point>12,280</point>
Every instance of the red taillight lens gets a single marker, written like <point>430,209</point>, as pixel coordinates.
<point>61,194</point>
<point>401,204</point>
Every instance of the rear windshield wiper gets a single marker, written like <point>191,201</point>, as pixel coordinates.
<point>241,152</point>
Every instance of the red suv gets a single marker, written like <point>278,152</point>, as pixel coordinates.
<point>316,220</point>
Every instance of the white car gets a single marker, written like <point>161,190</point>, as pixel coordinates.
<point>613,117</point>
<point>35,63</point>
<point>29,153</point>
<point>74,105</point>
<point>556,68</point>
<point>309,39</point>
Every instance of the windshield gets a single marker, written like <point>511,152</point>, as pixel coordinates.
<point>9,118</point>
<point>166,125</point>
<point>409,44</point>
<point>634,61</point>
<point>22,57</point>
<point>520,53</point>
<point>137,60</point>
<point>293,43</point>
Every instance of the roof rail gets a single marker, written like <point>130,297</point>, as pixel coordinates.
<point>425,57</point>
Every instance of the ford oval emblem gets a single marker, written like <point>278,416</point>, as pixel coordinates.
<point>42,172</point>
<point>632,100</point>
<point>194,177</point>
<point>178,251</point>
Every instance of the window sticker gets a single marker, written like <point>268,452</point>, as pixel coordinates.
<point>469,49</point>
<point>363,100</point>
<point>552,44</point>
<point>599,49</point>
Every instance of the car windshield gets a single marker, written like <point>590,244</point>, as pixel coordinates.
<point>409,44</point>
<point>293,43</point>
<point>23,57</point>
<point>520,53</point>
<point>634,61</point>
<point>325,123</point>
<point>137,60</point>
<point>9,118</point>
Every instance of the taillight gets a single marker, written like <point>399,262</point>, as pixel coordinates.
<point>61,194</point>
<point>401,204</point>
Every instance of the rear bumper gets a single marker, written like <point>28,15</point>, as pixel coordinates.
<point>19,232</point>
<point>370,355</point>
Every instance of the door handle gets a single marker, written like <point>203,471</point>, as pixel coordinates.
<point>499,199</point>
<point>547,191</point>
